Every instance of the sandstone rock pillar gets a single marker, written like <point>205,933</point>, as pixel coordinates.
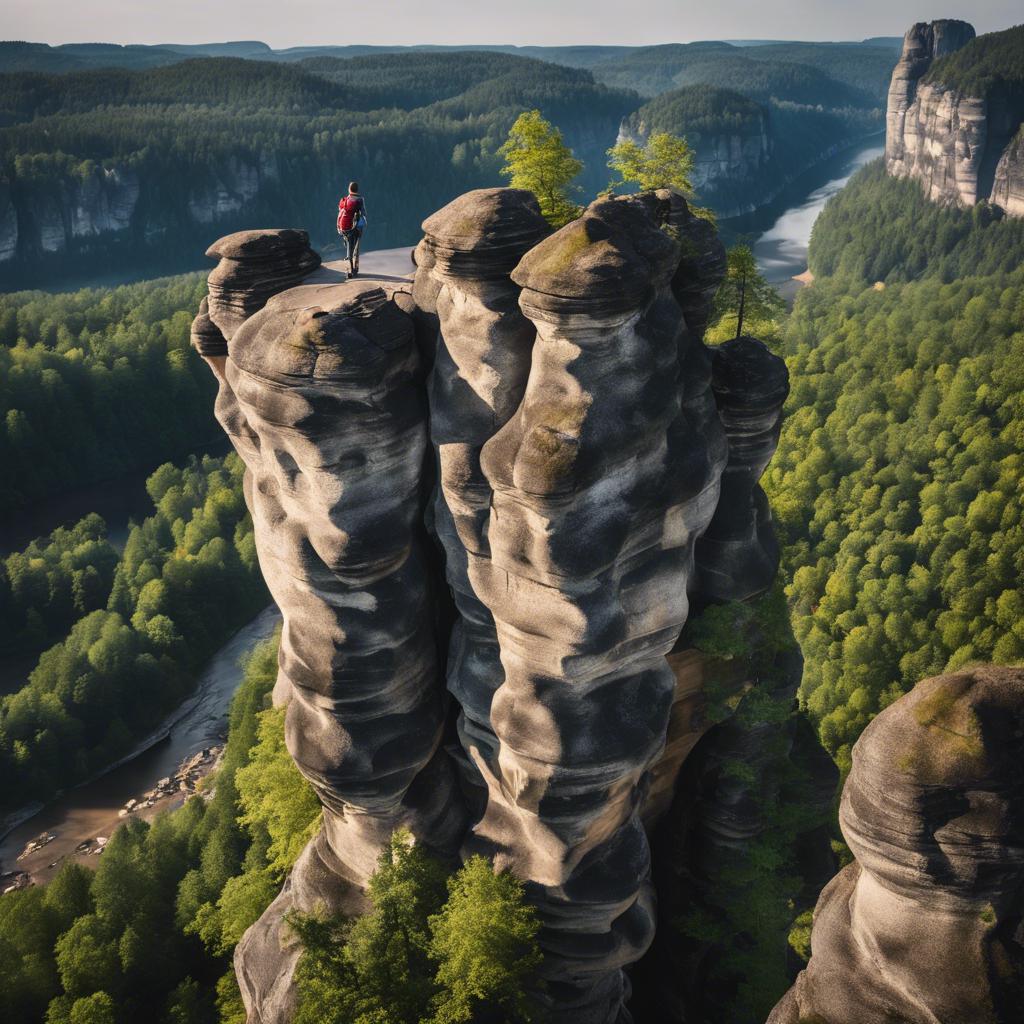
<point>601,482</point>
<point>320,397</point>
<point>925,924</point>
<point>481,363</point>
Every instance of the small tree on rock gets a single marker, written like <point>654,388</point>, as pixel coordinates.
<point>537,159</point>
<point>745,298</point>
<point>664,161</point>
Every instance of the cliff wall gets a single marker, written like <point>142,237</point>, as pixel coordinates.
<point>962,145</point>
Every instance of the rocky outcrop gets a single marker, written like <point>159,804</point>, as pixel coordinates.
<point>578,458</point>
<point>925,924</point>
<point>482,348</point>
<point>1008,187</point>
<point>254,265</point>
<point>956,144</point>
<point>738,556</point>
<point>103,202</point>
<point>320,398</point>
<point>234,188</point>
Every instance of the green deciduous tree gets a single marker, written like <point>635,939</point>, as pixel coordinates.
<point>664,161</point>
<point>537,159</point>
<point>485,943</point>
<point>419,956</point>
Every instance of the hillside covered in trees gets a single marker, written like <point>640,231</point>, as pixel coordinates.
<point>187,578</point>
<point>897,482</point>
<point>154,164</point>
<point>96,383</point>
<point>143,165</point>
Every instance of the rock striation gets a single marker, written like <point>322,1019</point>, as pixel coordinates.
<point>320,398</point>
<point>925,924</point>
<point>738,556</point>
<point>958,145</point>
<point>601,481</point>
<point>254,265</point>
<point>580,433</point>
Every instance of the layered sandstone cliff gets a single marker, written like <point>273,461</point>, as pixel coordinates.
<point>925,924</point>
<point>582,436</point>
<point>959,144</point>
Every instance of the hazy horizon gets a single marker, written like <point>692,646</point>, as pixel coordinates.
<point>456,23</point>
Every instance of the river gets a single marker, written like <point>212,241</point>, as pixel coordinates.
<point>781,231</point>
<point>91,810</point>
<point>780,234</point>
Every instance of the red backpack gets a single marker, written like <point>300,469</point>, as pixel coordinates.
<point>348,211</point>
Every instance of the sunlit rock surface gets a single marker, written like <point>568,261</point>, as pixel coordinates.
<point>925,924</point>
<point>254,265</point>
<point>961,148</point>
<point>553,394</point>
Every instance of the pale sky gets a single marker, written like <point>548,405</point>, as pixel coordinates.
<point>282,23</point>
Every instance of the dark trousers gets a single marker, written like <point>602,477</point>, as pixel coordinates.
<point>352,238</point>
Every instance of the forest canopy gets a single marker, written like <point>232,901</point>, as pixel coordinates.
<point>897,482</point>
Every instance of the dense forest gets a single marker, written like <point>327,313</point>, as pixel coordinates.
<point>52,583</point>
<point>748,149</point>
<point>187,578</point>
<point>96,383</point>
<point>993,61</point>
<point>885,229</point>
<point>897,482</point>
<point>830,74</point>
<point>164,160</point>
<point>134,164</point>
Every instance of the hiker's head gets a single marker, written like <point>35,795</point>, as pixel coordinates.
<point>353,187</point>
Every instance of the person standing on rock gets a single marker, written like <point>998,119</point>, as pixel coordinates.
<point>351,224</point>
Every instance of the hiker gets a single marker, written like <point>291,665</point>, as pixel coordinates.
<point>351,224</point>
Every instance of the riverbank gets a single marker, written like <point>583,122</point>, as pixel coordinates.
<point>91,810</point>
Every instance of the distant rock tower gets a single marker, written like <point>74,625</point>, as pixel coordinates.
<point>962,148</point>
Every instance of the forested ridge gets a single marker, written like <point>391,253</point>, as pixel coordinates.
<point>898,480</point>
<point>149,164</point>
<point>213,145</point>
<point>988,62</point>
<point>96,383</point>
<point>187,578</point>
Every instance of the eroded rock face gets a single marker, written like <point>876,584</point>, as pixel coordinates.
<point>925,925</point>
<point>601,480</point>
<point>738,556</point>
<point>321,399</point>
<point>579,456</point>
<point>960,148</point>
<point>254,265</point>
<point>481,362</point>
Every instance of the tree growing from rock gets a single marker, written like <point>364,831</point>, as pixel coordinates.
<point>537,159</point>
<point>745,298</point>
<point>664,161</point>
